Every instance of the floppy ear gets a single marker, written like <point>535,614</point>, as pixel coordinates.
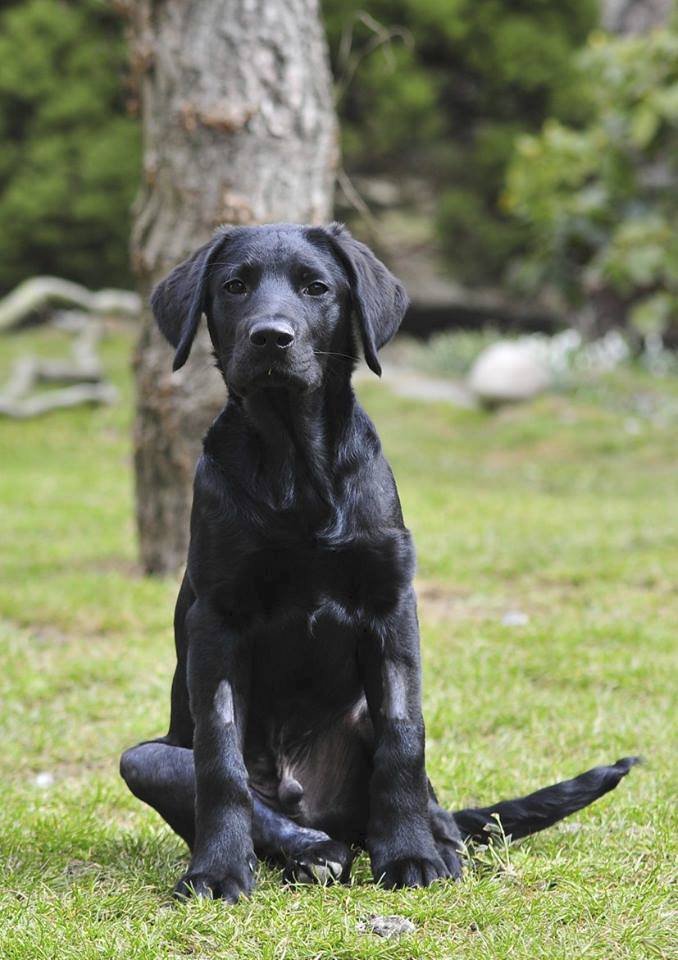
<point>178,301</point>
<point>378,298</point>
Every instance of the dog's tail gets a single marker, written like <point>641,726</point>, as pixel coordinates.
<point>539,810</point>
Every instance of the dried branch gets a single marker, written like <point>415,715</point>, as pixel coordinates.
<point>37,295</point>
<point>349,60</point>
<point>83,370</point>
<point>39,403</point>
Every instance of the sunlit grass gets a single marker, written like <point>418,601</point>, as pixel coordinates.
<point>564,510</point>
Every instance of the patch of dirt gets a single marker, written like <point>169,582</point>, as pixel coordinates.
<point>438,602</point>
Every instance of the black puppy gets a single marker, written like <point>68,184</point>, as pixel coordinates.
<point>296,729</point>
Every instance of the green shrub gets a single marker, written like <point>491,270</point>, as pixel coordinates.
<point>601,201</point>
<point>70,159</point>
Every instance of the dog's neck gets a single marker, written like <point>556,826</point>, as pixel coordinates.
<point>299,436</point>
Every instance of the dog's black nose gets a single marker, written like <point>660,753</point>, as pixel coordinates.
<point>273,335</point>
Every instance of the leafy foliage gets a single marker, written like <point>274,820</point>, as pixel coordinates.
<point>442,88</point>
<point>601,201</point>
<point>439,89</point>
<point>70,158</point>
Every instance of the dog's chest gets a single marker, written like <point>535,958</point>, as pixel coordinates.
<point>304,610</point>
<point>347,581</point>
<point>306,654</point>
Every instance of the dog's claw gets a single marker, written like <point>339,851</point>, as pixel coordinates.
<point>450,857</point>
<point>413,872</point>
<point>447,840</point>
<point>328,861</point>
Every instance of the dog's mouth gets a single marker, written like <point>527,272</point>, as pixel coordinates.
<point>275,375</point>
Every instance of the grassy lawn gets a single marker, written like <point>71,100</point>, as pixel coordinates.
<point>565,510</point>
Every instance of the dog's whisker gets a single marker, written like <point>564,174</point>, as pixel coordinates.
<point>331,353</point>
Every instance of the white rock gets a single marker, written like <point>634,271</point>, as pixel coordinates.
<point>515,618</point>
<point>509,371</point>
<point>44,780</point>
<point>388,926</point>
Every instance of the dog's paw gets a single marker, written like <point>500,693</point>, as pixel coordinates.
<point>449,853</point>
<point>411,872</point>
<point>328,861</point>
<point>228,885</point>
<point>448,841</point>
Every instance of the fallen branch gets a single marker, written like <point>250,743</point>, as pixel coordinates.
<point>34,406</point>
<point>83,370</point>
<point>40,294</point>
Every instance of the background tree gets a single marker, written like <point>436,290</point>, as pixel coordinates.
<point>238,127</point>
<point>441,105</point>
<point>635,16</point>
<point>443,100</point>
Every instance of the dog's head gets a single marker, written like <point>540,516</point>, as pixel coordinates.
<point>279,302</point>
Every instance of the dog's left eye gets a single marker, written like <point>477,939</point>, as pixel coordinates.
<point>316,289</point>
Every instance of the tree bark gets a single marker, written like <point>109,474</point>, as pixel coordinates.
<point>239,127</point>
<point>635,16</point>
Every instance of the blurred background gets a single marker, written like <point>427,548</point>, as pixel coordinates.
<point>514,163</point>
<point>522,149</point>
<point>517,165</point>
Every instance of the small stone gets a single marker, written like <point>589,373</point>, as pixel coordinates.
<point>78,868</point>
<point>515,618</point>
<point>388,926</point>
<point>44,780</point>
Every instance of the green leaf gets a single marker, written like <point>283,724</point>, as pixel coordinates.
<point>645,123</point>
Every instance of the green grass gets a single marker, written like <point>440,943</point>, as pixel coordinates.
<point>565,510</point>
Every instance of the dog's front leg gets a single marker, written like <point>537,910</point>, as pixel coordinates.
<point>223,861</point>
<point>402,848</point>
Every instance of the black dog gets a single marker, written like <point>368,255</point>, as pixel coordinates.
<point>296,729</point>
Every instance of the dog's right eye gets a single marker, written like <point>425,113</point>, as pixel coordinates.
<point>235,286</point>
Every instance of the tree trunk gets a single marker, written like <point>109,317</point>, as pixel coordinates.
<point>635,16</point>
<point>239,127</point>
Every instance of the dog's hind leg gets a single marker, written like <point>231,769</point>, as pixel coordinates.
<point>163,776</point>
